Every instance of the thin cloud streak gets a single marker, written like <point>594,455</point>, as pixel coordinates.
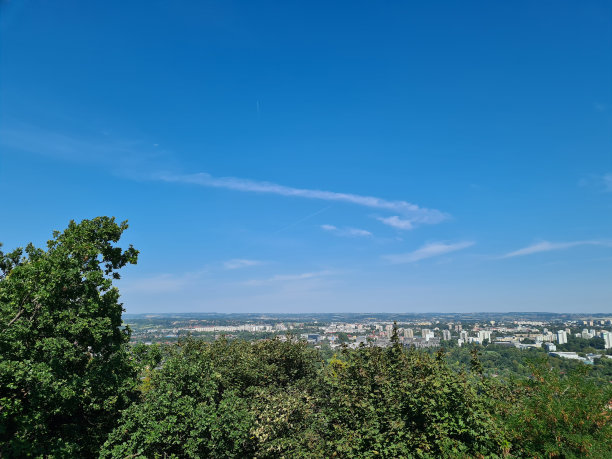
<point>135,160</point>
<point>412,211</point>
<point>427,251</point>
<point>546,246</point>
<point>238,263</point>
<point>288,278</point>
<point>346,232</point>
<point>600,183</point>
<point>162,283</point>
<point>396,222</point>
<point>137,156</point>
<point>607,182</point>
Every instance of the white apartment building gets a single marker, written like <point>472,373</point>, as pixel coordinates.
<point>607,336</point>
<point>562,337</point>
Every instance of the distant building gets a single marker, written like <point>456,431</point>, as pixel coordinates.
<point>562,337</point>
<point>550,347</point>
<point>549,337</point>
<point>607,337</point>
<point>528,346</point>
<point>568,355</point>
<point>382,342</point>
<point>446,335</point>
<point>420,343</point>
<point>585,334</point>
<point>408,333</point>
<point>427,334</point>
<point>484,334</point>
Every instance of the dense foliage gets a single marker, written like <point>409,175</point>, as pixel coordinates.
<point>558,416</point>
<point>70,386</point>
<point>65,371</point>
<point>273,398</point>
<point>508,362</point>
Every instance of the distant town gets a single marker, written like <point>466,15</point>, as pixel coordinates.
<point>582,338</point>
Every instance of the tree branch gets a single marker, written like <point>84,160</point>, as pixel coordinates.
<point>21,311</point>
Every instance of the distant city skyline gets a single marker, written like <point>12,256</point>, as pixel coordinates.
<point>316,157</point>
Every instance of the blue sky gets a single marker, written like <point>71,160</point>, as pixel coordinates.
<point>319,156</point>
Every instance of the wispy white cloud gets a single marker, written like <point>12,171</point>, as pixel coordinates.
<point>415,213</point>
<point>238,263</point>
<point>600,107</point>
<point>288,278</point>
<point>546,246</point>
<point>176,282</point>
<point>396,222</point>
<point>160,283</point>
<point>346,232</point>
<point>598,182</point>
<point>130,158</point>
<point>607,182</point>
<point>427,251</point>
<point>141,160</point>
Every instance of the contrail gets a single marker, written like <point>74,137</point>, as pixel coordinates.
<point>307,217</point>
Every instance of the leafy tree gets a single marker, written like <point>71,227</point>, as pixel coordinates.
<point>552,415</point>
<point>343,337</point>
<point>385,403</point>
<point>185,413</point>
<point>148,357</point>
<point>475,363</point>
<point>585,346</point>
<point>223,399</point>
<point>65,371</point>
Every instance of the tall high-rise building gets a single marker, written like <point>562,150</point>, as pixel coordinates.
<point>484,334</point>
<point>446,335</point>
<point>562,337</point>
<point>607,336</point>
<point>427,334</point>
<point>408,333</point>
<point>585,334</point>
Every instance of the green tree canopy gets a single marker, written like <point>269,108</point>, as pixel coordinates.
<point>65,371</point>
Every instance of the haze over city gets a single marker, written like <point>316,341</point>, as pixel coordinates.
<point>317,157</point>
